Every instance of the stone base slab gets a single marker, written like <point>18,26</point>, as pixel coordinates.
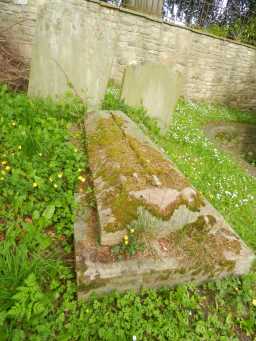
<point>202,253</point>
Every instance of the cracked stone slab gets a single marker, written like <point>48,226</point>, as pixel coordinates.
<point>134,180</point>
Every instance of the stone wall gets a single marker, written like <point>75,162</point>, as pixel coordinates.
<point>215,69</point>
<point>18,22</point>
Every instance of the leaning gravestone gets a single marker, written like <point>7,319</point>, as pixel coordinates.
<point>138,189</point>
<point>71,51</point>
<point>156,87</point>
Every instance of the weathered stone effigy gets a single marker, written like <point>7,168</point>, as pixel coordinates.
<point>138,189</point>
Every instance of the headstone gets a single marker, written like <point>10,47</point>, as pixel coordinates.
<point>71,51</point>
<point>21,2</point>
<point>156,87</point>
<point>152,7</point>
<point>136,186</point>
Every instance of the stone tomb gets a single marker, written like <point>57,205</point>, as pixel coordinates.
<point>138,190</point>
<point>156,87</point>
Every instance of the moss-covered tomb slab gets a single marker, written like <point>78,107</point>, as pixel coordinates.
<point>136,185</point>
<point>131,175</point>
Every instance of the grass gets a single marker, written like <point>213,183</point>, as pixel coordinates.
<point>37,282</point>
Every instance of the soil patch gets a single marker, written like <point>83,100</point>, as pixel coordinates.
<point>238,139</point>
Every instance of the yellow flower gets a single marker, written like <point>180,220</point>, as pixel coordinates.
<point>60,175</point>
<point>19,147</point>
<point>126,242</point>
<point>254,302</point>
<point>14,124</point>
<point>126,237</point>
<point>4,163</point>
<point>40,154</point>
<point>81,178</point>
<point>35,184</point>
<point>50,179</point>
<point>7,168</point>
<point>55,186</point>
<point>75,150</point>
<point>132,230</point>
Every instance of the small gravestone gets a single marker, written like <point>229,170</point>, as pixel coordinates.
<point>151,7</point>
<point>71,51</point>
<point>156,87</point>
<point>140,194</point>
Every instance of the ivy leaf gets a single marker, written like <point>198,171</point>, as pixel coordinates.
<point>36,215</point>
<point>49,212</point>
<point>3,316</point>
